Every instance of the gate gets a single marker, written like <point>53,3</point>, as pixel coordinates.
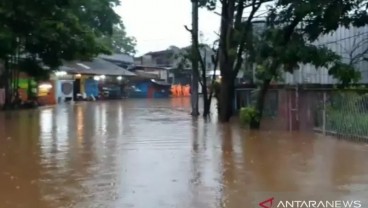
<point>293,108</point>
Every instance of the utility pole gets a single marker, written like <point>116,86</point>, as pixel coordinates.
<point>195,66</point>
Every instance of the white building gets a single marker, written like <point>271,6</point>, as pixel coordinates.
<point>350,43</point>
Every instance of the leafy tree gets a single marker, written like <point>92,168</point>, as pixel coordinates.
<point>202,52</point>
<point>207,95</point>
<point>291,26</point>
<point>119,42</point>
<point>235,33</point>
<point>46,32</point>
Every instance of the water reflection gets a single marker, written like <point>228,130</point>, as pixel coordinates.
<point>19,160</point>
<point>80,124</point>
<point>115,154</point>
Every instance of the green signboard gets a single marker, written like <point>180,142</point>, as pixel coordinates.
<point>24,83</point>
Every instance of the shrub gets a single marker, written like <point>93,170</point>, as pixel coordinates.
<point>247,114</point>
<point>347,114</point>
<point>347,123</point>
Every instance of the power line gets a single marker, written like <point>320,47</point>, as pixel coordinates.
<point>346,38</point>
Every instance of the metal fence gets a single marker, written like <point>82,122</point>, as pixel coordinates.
<point>245,97</point>
<point>343,114</point>
<point>340,113</point>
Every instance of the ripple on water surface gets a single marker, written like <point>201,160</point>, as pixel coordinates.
<point>151,153</point>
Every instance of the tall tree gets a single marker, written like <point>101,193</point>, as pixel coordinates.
<point>203,52</point>
<point>199,62</point>
<point>208,94</point>
<point>292,26</point>
<point>45,32</point>
<point>194,97</point>
<point>235,29</point>
<point>120,42</point>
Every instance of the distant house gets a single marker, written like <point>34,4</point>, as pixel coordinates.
<point>151,72</point>
<point>148,88</point>
<point>172,60</point>
<point>96,66</point>
<point>150,82</point>
<point>95,78</point>
<point>168,58</point>
<point>122,60</point>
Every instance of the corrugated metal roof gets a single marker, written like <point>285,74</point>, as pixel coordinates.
<point>118,57</point>
<point>97,66</point>
<point>147,75</point>
<point>160,83</point>
<point>140,67</point>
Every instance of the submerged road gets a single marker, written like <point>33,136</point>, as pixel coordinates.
<point>151,154</point>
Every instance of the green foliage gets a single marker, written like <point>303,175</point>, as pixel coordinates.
<point>345,73</point>
<point>36,36</point>
<point>293,25</point>
<point>262,71</point>
<point>120,42</point>
<point>52,31</point>
<point>320,16</point>
<point>347,114</point>
<point>249,114</point>
<point>347,123</point>
<point>185,57</point>
<point>209,4</point>
<point>182,59</point>
<point>286,41</point>
<point>34,69</point>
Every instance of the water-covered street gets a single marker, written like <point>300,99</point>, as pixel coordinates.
<point>152,154</point>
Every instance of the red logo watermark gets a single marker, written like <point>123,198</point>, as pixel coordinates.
<point>267,203</point>
<point>271,203</point>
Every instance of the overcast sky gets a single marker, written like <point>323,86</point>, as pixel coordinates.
<point>158,24</point>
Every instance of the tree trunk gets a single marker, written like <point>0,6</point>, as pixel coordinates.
<point>255,122</point>
<point>209,99</point>
<point>226,59</point>
<point>207,102</point>
<point>194,96</point>
<point>7,85</point>
<point>195,73</point>
<point>226,99</point>
<point>206,96</point>
<point>211,92</point>
<point>206,107</point>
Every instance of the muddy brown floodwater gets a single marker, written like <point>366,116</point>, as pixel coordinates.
<point>152,154</point>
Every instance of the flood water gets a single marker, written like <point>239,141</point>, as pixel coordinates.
<point>152,154</point>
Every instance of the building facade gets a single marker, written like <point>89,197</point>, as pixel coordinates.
<point>350,43</point>
<point>175,61</point>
